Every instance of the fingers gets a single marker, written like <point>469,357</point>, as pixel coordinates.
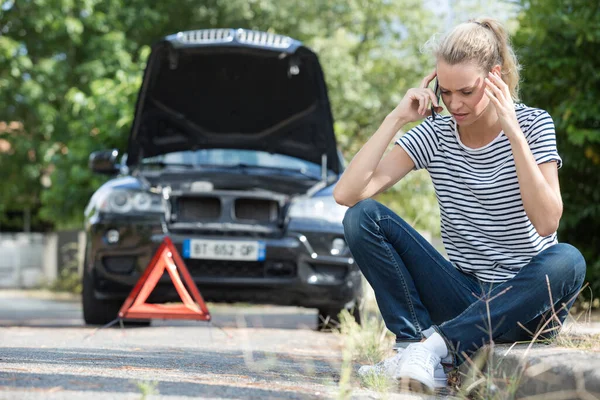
<point>427,80</point>
<point>492,86</point>
<point>493,98</point>
<point>424,97</point>
<point>499,83</point>
<point>429,97</point>
<point>497,79</point>
<point>423,103</point>
<point>433,97</point>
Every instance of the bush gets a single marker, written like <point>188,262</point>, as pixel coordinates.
<point>557,43</point>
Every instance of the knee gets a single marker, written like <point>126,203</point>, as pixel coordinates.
<point>357,215</point>
<point>570,261</point>
<point>578,264</point>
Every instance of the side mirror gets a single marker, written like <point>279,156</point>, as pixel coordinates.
<point>104,162</point>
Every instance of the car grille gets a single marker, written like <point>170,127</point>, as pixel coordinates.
<point>240,269</point>
<point>198,208</point>
<point>256,210</point>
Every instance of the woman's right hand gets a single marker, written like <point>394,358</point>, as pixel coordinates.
<point>414,106</point>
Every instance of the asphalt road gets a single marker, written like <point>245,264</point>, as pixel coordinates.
<point>261,352</point>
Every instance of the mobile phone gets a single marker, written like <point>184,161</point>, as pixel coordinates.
<point>438,93</point>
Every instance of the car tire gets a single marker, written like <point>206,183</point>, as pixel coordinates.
<point>328,318</point>
<point>100,312</point>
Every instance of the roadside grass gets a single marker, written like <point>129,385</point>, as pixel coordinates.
<point>580,342</point>
<point>365,343</point>
<point>369,342</point>
<point>377,382</point>
<point>581,314</point>
<point>482,381</point>
<point>147,388</point>
<point>480,377</point>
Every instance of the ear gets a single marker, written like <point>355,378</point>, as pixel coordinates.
<point>497,70</point>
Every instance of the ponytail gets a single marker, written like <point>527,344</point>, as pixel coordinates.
<point>485,42</point>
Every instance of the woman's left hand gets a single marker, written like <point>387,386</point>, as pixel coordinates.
<point>499,93</point>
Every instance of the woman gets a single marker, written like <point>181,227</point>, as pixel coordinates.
<point>494,166</point>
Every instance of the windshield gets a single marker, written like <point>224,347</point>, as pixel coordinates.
<point>235,158</point>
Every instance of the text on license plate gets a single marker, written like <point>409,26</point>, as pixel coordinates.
<point>247,250</point>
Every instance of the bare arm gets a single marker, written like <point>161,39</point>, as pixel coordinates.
<point>539,187</point>
<point>368,174</point>
<point>538,184</point>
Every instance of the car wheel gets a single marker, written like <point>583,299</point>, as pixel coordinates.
<point>328,318</point>
<point>100,312</point>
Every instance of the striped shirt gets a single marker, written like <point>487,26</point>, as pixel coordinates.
<point>484,227</point>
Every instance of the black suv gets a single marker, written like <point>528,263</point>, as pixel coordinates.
<point>232,154</point>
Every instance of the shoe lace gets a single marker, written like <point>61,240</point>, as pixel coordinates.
<point>390,361</point>
<point>421,357</point>
<point>393,359</point>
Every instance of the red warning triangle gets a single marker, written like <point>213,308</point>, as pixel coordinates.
<point>166,257</point>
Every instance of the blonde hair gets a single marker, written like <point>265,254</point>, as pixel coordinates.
<point>485,42</point>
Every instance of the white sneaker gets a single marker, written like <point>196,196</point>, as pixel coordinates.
<point>418,364</point>
<point>384,367</point>
<point>390,366</point>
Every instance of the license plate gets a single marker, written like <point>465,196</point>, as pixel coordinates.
<point>245,250</point>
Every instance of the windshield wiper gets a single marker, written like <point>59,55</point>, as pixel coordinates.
<point>166,164</point>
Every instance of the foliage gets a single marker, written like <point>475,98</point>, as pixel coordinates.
<point>67,281</point>
<point>558,44</point>
<point>69,277</point>
<point>70,72</point>
<point>366,343</point>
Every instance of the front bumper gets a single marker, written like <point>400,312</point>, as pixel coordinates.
<point>297,269</point>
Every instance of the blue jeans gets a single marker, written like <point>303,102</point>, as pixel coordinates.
<point>416,288</point>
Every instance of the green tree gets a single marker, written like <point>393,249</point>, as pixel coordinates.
<point>70,72</point>
<point>559,46</point>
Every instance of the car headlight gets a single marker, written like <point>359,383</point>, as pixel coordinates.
<point>122,201</point>
<point>323,207</point>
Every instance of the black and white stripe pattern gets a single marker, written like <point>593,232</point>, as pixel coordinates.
<point>484,226</point>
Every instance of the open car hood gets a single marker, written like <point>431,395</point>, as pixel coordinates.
<point>227,88</point>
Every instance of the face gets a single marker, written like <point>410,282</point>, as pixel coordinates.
<point>462,87</point>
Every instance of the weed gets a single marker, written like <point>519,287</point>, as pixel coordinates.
<point>480,377</point>
<point>365,343</point>
<point>377,382</point>
<point>482,380</point>
<point>345,383</point>
<point>147,388</point>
